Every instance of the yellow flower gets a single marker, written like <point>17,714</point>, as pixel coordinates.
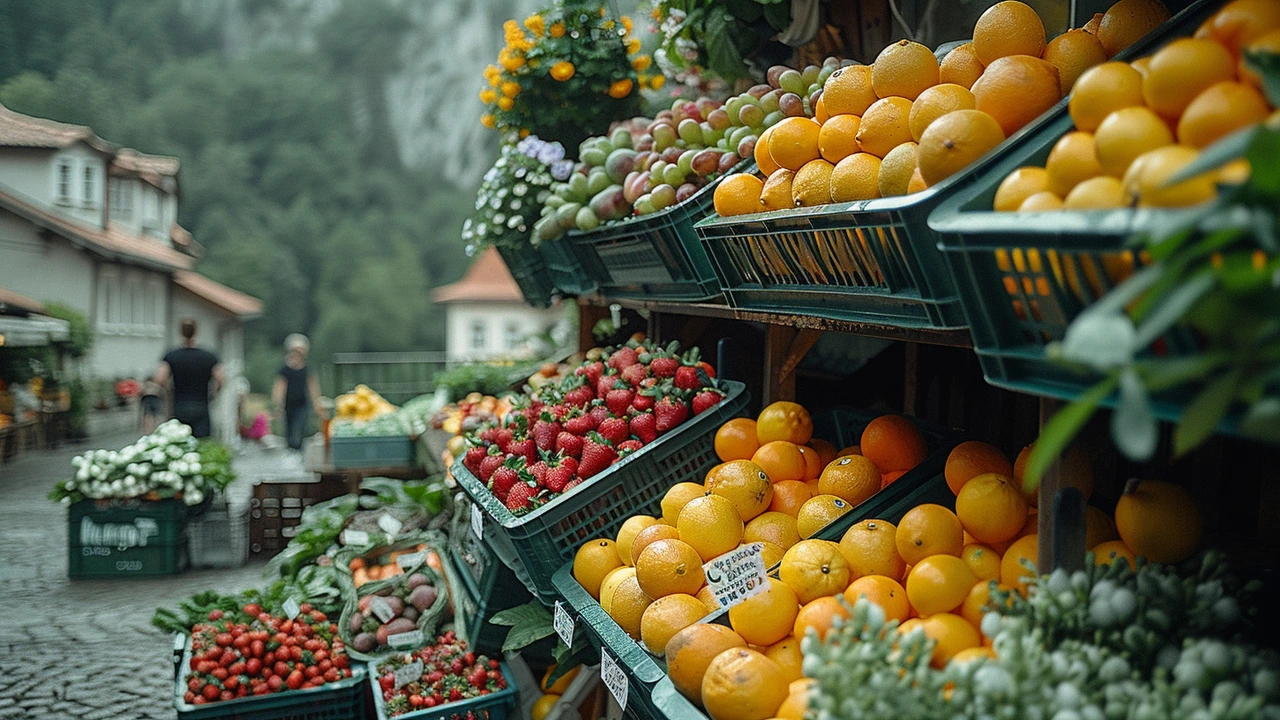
<point>488,120</point>
<point>506,103</point>
<point>602,11</point>
<point>633,45</point>
<point>607,24</point>
<point>511,62</point>
<point>523,45</point>
<point>491,71</point>
<point>657,81</point>
<point>656,15</point>
<point>535,25</point>
<point>494,80</point>
<point>626,23</point>
<point>488,96</point>
<point>562,70</point>
<point>620,89</point>
<point>641,63</point>
<point>524,133</point>
<point>510,89</point>
<point>557,30</point>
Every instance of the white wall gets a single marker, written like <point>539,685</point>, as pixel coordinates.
<point>45,270</point>
<point>463,320</point>
<point>29,172</point>
<point>130,314</point>
<point>126,211</point>
<point>86,209</point>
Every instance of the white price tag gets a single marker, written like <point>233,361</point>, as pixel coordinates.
<point>613,678</point>
<point>411,560</point>
<point>477,521</point>
<point>355,537</point>
<point>381,609</point>
<point>409,673</point>
<point>389,524</point>
<point>564,625</point>
<point>291,608</point>
<point>404,641</point>
<point>737,574</point>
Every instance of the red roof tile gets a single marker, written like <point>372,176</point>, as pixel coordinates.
<point>487,280</point>
<point>233,301</point>
<point>18,130</point>
<point>12,300</point>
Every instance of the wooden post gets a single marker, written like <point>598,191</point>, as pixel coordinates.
<point>588,315</point>
<point>1061,519</point>
<point>785,347</point>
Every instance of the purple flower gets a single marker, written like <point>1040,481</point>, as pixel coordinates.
<point>550,153</point>
<point>561,170</point>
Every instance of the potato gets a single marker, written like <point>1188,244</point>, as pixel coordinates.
<point>396,604</point>
<point>365,643</point>
<point>417,579</point>
<point>422,597</point>
<point>395,627</point>
<point>411,613</point>
<point>357,619</point>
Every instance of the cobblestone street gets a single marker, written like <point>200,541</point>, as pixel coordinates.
<point>86,649</point>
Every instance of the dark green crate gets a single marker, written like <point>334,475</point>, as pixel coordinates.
<point>383,451</point>
<point>530,273</point>
<point>489,587</point>
<point>85,562</point>
<point>535,545</point>
<point>565,269</point>
<point>121,523</point>
<point>495,706</point>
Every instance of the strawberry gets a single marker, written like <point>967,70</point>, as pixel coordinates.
<point>558,477</point>
<point>645,427</point>
<point>688,377</point>
<point>502,438</point>
<point>597,454</point>
<point>569,444</point>
<point>545,432</point>
<point>571,463</point>
<point>606,383</point>
<point>622,357</point>
<point>539,472</point>
<point>706,368</point>
<point>633,374</point>
<point>599,412</point>
<point>505,477</point>
<point>525,448</point>
<point>592,371</point>
<point>575,482</point>
<point>580,423</point>
<point>669,413</point>
<point>664,366</point>
<point>471,460</point>
<point>705,399</point>
<point>520,497</point>
<point>489,434</point>
<point>615,430</point>
<point>619,399</point>
<point>628,447</point>
<point>490,463</point>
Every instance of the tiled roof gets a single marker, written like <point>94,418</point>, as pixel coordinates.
<point>134,161</point>
<point>10,300</point>
<point>233,301</point>
<point>487,280</point>
<point>18,130</point>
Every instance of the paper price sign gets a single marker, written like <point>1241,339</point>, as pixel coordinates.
<point>613,678</point>
<point>411,560</point>
<point>477,521</point>
<point>564,625</point>
<point>381,608</point>
<point>291,608</point>
<point>737,575</point>
<point>389,524</point>
<point>402,641</point>
<point>409,673</point>
<point>355,537</point>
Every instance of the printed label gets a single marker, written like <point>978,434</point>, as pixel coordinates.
<point>564,625</point>
<point>355,537</point>
<point>613,678</point>
<point>291,608</point>
<point>737,574</point>
<point>409,673</point>
<point>411,560</point>
<point>389,524</point>
<point>477,521</point>
<point>118,535</point>
<point>381,609</point>
<point>404,641</point>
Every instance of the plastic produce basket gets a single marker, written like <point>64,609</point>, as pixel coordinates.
<point>495,706</point>
<point>538,543</point>
<point>123,538</point>
<point>372,451</point>
<point>488,586</point>
<point>566,272</point>
<point>530,273</point>
<point>656,255</point>
<point>220,537</point>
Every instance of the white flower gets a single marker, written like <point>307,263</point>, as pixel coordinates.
<point>195,497</point>
<point>195,468</point>
<point>117,486</point>
<point>191,457</point>
<point>71,485</point>
<point>174,451</point>
<point>82,474</point>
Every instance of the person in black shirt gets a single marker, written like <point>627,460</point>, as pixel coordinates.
<point>193,370</point>
<point>296,392</point>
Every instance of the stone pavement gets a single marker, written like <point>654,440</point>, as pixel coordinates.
<point>86,649</point>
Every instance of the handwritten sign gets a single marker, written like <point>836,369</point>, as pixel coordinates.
<point>737,575</point>
<point>409,673</point>
<point>613,678</point>
<point>389,524</point>
<point>355,537</point>
<point>411,560</point>
<point>406,640</point>
<point>291,608</point>
<point>477,522</point>
<point>564,625</point>
<point>381,608</point>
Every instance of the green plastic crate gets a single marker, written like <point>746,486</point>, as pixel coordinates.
<point>530,273</point>
<point>489,587</point>
<point>108,562</point>
<point>495,706</point>
<point>535,545</point>
<point>126,538</point>
<point>565,269</point>
<point>386,451</point>
<point>656,255</point>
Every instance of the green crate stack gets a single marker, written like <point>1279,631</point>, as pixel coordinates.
<point>530,273</point>
<point>487,587</point>
<point>124,538</point>
<point>357,451</point>
<point>565,269</point>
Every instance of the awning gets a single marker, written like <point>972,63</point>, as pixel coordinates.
<point>32,331</point>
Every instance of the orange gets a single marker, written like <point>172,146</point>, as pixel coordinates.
<point>1102,90</point>
<point>1012,572</point>
<point>1159,521</point>
<point>736,440</point>
<point>820,112</point>
<point>1094,24</point>
<point>1107,553</point>
<point>1127,133</point>
<point>745,484</point>
<point>742,684</point>
<point>1077,471</point>
<point>854,479</point>
<point>1071,161</point>
<point>711,524</point>
<point>885,126</point>
<point>819,615</point>
<point>561,684</point>
<point>951,634</point>
<point>813,489</point>
<point>973,653</point>
<point>543,706</point>
<point>1182,70</point>
<point>796,705</point>
<point>627,535</point>
<point>667,616</point>
<point>669,567</point>
<point>771,553</point>
<point>909,626</point>
<point>814,568</point>
<point>786,653</point>
<point>960,67</point>
<point>851,450</point>
<point>939,583</point>
<point>1241,22</point>
<point>896,170</point>
<point>1008,28</point>
<point>1098,528</point>
<point>972,458</point>
<point>794,142</point>
<point>1147,179</point>
<point>1142,65</point>
<point>893,442</point>
<point>777,192</point>
<point>1016,90</point>
<point>764,160</point>
<point>789,496</point>
<point>955,140</point>
<point>928,530</point>
<point>1127,21</point>
<point>780,460</point>
<point>1219,111</point>
<point>991,508</point>
<point>650,535</point>
<point>837,139</point>
<point>611,583</point>
<point>857,177</point>
<point>594,560</point>
<point>738,194</point>
<point>826,451</point>
<point>784,420</point>
<point>818,512</point>
<point>1073,52</point>
<point>1041,202</point>
<point>982,560</point>
<point>871,548</point>
<point>677,495</point>
<point>690,651</point>
<point>766,617</point>
<point>975,603</point>
<point>708,598</point>
<point>883,591</point>
<point>812,462</point>
<point>916,183</point>
<point>1268,43</point>
<point>889,477</point>
<point>775,527</point>
<point>628,606</point>
<point>1097,193</point>
<point>904,69</point>
<point>935,102</point>
<point>1014,189</point>
<point>848,91</point>
<point>812,184</point>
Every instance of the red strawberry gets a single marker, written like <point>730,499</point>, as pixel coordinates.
<point>545,432</point>
<point>688,378</point>
<point>706,368</point>
<point>664,366</point>
<point>645,427</point>
<point>619,399</point>
<point>502,438</point>
<point>580,395</point>
<point>706,399</point>
<point>597,454</point>
<point>606,383</point>
<point>539,472</point>
<point>571,463</point>
<point>490,463</point>
<point>633,374</point>
<point>615,430</point>
<point>599,412</point>
<point>669,413</point>
<point>558,477</point>
<point>471,460</point>
<point>581,423</point>
<point>489,434</point>
<point>569,444</point>
<point>520,497</point>
<point>593,371</point>
<point>525,448</point>
<point>628,447</point>
<point>622,357</point>
<point>504,478</point>
<point>575,482</point>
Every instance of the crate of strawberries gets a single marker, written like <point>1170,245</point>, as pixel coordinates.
<point>252,665</point>
<point>441,681</point>
<point>573,459</point>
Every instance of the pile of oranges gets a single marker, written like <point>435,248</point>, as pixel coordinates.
<point>907,122</point>
<point>1139,123</point>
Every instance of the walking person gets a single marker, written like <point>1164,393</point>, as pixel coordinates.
<point>196,374</point>
<point>296,393</point>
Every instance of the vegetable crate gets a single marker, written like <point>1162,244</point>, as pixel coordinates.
<point>341,700</point>
<point>120,538</point>
<point>220,537</point>
<point>566,272</point>
<point>495,706</point>
<point>656,255</point>
<point>538,543</point>
<point>372,451</point>
<point>275,510</point>
<point>530,273</point>
<point>488,586</point>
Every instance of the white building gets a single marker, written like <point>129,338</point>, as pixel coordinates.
<point>93,227</point>
<point>486,317</point>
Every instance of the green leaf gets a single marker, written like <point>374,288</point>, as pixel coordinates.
<point>1164,373</point>
<point>1057,434</point>
<point>722,55</point>
<point>747,11</point>
<point>1171,309</point>
<point>778,15</point>
<point>1204,412</point>
<point>1264,230</point>
<point>1129,290</point>
<point>1264,174</point>
<point>1262,421</point>
<point>1231,147</point>
<point>529,623</point>
<point>1267,65</point>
